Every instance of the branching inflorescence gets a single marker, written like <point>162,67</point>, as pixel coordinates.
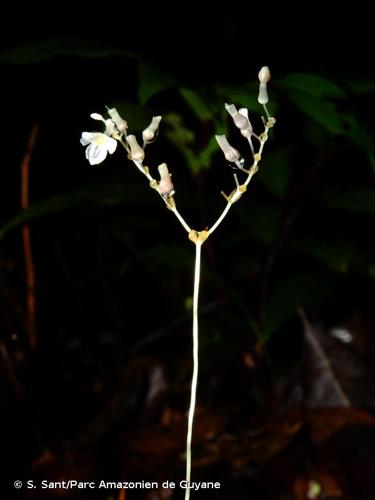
<point>99,144</point>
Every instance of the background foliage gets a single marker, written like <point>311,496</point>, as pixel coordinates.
<point>114,271</point>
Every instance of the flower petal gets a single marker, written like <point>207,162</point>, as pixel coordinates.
<point>97,116</point>
<point>231,108</point>
<point>244,112</point>
<point>111,145</point>
<point>90,136</point>
<point>96,153</point>
<point>84,142</point>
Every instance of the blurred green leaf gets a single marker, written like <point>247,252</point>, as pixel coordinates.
<point>355,200</point>
<point>362,86</point>
<point>359,134</point>
<point>314,85</point>
<point>261,220</point>
<point>184,138</point>
<point>196,103</point>
<point>205,156</point>
<point>176,126</point>
<point>181,136</point>
<point>45,50</point>
<point>300,290</point>
<point>242,96</point>
<point>334,254</point>
<point>276,170</point>
<point>107,194</point>
<point>137,116</point>
<point>152,80</point>
<point>323,112</point>
<point>246,96</point>
<point>354,130</point>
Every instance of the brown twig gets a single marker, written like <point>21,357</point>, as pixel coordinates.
<point>121,495</point>
<point>26,239</point>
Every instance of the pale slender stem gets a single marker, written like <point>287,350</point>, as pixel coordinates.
<point>267,113</point>
<point>141,168</point>
<point>145,172</point>
<point>194,381</point>
<point>181,219</point>
<point>220,219</point>
<point>253,171</point>
<point>235,195</point>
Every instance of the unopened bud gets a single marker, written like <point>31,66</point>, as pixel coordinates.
<point>149,133</point>
<point>136,151</point>
<point>264,74</point>
<point>166,187</point>
<point>240,121</point>
<point>118,121</point>
<point>230,153</point>
<point>246,132</point>
<point>263,94</point>
<point>110,128</point>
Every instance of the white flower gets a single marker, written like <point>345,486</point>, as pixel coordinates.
<point>98,146</point>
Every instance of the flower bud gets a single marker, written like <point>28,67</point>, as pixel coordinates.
<point>150,132</point>
<point>118,121</point>
<point>240,121</point>
<point>246,132</point>
<point>263,94</point>
<point>136,152</point>
<point>110,128</point>
<point>264,74</point>
<point>166,187</point>
<point>230,153</point>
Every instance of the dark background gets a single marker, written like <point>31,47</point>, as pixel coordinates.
<point>104,393</point>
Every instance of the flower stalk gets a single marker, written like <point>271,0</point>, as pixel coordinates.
<point>100,144</point>
<point>194,380</point>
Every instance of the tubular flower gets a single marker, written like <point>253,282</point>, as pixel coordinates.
<point>264,76</point>
<point>136,152</point>
<point>149,133</point>
<point>231,154</point>
<point>120,123</point>
<point>248,131</point>
<point>166,187</point>
<point>241,121</point>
